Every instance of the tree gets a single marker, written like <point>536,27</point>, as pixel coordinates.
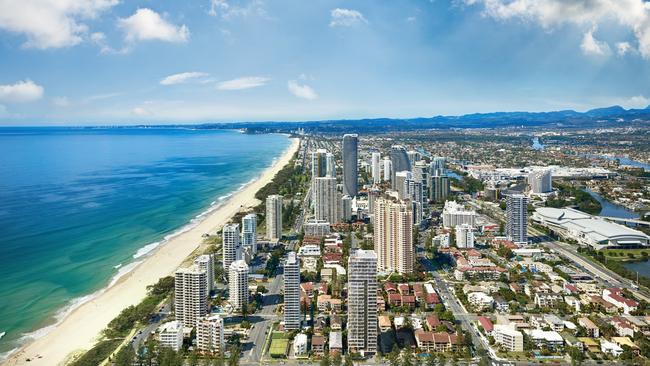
<point>336,360</point>
<point>393,356</point>
<point>125,356</point>
<point>325,361</point>
<point>407,358</point>
<point>193,360</point>
<point>233,360</point>
<point>431,359</point>
<point>348,360</point>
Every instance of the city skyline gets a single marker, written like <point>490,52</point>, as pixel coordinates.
<point>107,62</point>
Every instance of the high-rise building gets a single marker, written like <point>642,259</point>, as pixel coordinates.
<point>350,165</point>
<point>231,249</point>
<point>318,163</point>
<point>330,165</point>
<point>464,236</point>
<point>401,184</point>
<point>238,284</point>
<point>376,167</point>
<point>292,292</point>
<point>439,188</point>
<point>209,335</point>
<point>373,195</point>
<point>540,181</point>
<point>399,162</point>
<point>362,302</point>
<point>345,206</point>
<point>274,217</point>
<point>455,214</point>
<point>517,218</point>
<point>438,166</point>
<point>325,199</point>
<point>388,170</point>
<point>206,263</point>
<point>249,232</point>
<point>190,295</point>
<point>414,156</point>
<point>393,235</point>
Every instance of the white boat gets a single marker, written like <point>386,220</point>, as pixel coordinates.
<point>2,334</point>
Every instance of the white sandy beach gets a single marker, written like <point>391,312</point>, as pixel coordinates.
<point>80,329</point>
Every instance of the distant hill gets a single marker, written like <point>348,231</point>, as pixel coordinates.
<point>614,116</point>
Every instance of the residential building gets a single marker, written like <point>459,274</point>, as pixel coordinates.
<point>388,170</point>
<point>454,214</point>
<point>362,302</point>
<point>238,284</point>
<point>170,335</point>
<point>249,232</point>
<point>399,162</point>
<point>507,337</point>
<point>345,206</point>
<point>616,297</point>
<point>206,263</point>
<point>436,341</point>
<point>318,163</point>
<point>300,344</point>
<point>464,236</point>
<point>231,248</point>
<point>330,165</point>
<point>439,187</point>
<point>317,228</point>
<point>274,217</point>
<point>210,335</point>
<point>292,292</point>
<point>350,165</point>
<point>393,235</point>
<point>540,181</point>
<point>190,295</point>
<point>376,167</point>
<point>517,218</point>
<point>326,200</point>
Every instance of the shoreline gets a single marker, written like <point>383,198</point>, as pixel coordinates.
<point>80,327</point>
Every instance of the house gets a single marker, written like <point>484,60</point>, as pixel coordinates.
<point>626,342</point>
<point>384,323</point>
<point>615,296</point>
<point>328,274</point>
<point>395,299</point>
<point>592,329</point>
<point>486,324</point>
<point>404,289</point>
<point>436,342</point>
<point>554,322</point>
<point>335,322</point>
<point>432,300</point>
<point>332,258</point>
<point>408,300</point>
<point>390,288</point>
<point>336,342</point>
<point>326,302</point>
<point>590,344</point>
<point>307,288</point>
<point>500,304</point>
<point>623,327</point>
<point>601,304</point>
<point>433,322</point>
<point>611,348</point>
<point>318,345</point>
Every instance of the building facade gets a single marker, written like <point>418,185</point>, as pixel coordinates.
<point>393,235</point>
<point>399,162</point>
<point>206,263</point>
<point>231,245</point>
<point>249,232</point>
<point>292,292</point>
<point>517,218</point>
<point>274,217</point>
<point>325,200</point>
<point>350,165</point>
<point>376,167</point>
<point>362,302</point>
<point>238,285</point>
<point>210,335</point>
<point>190,295</point>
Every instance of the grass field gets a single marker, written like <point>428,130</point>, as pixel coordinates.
<point>626,254</point>
<point>279,345</point>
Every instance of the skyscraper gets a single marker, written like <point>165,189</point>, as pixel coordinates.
<point>206,263</point>
<point>376,167</point>
<point>292,292</point>
<point>190,295</point>
<point>362,302</point>
<point>393,235</point>
<point>540,181</point>
<point>438,166</point>
<point>399,162</point>
<point>330,165</point>
<point>326,200</point>
<point>318,163</point>
<point>209,335</point>
<point>274,217</point>
<point>249,232</point>
<point>231,250</point>
<point>400,186</point>
<point>388,170</point>
<point>345,206</point>
<point>517,218</point>
<point>439,188</point>
<point>238,284</point>
<point>350,165</point>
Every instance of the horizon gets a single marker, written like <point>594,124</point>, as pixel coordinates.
<point>223,61</point>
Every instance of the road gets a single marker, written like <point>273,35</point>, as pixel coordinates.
<point>143,334</point>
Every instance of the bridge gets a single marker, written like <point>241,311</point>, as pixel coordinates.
<point>626,220</point>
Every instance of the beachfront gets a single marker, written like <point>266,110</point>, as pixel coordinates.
<point>79,330</point>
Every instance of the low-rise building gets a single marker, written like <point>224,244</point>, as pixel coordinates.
<point>300,344</point>
<point>615,296</point>
<point>509,338</point>
<point>170,335</point>
<point>547,338</point>
<point>436,342</point>
<point>480,300</point>
<point>318,345</point>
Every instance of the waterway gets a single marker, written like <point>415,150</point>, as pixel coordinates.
<point>622,160</point>
<point>611,209</point>
<point>537,145</point>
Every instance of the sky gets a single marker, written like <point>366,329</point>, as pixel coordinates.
<point>88,62</point>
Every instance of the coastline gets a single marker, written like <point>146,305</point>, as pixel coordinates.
<point>81,325</point>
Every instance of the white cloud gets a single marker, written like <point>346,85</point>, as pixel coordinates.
<point>638,101</point>
<point>622,48</point>
<point>631,14</point>
<point>22,91</point>
<point>243,83</point>
<point>147,25</point>
<point>346,18</point>
<point>592,46</point>
<point>61,102</point>
<point>140,111</point>
<point>302,91</point>
<point>182,78</point>
<point>51,23</point>
<point>226,10</point>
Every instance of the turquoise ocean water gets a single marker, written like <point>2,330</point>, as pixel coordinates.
<point>77,206</point>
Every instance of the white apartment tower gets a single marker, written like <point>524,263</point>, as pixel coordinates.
<point>362,302</point>
<point>330,165</point>
<point>209,335</point>
<point>206,263</point>
<point>455,214</point>
<point>318,163</point>
<point>170,335</point>
<point>393,235</point>
<point>249,232</point>
<point>345,206</point>
<point>231,250</point>
<point>274,217</point>
<point>292,292</point>
<point>376,167</point>
<point>517,218</point>
<point>540,181</point>
<point>191,295</point>
<point>464,236</point>
<point>387,169</point>
<point>238,284</point>
<point>325,199</point>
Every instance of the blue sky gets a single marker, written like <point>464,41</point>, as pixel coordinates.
<point>118,62</point>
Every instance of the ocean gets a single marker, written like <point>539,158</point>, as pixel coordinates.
<point>80,206</point>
